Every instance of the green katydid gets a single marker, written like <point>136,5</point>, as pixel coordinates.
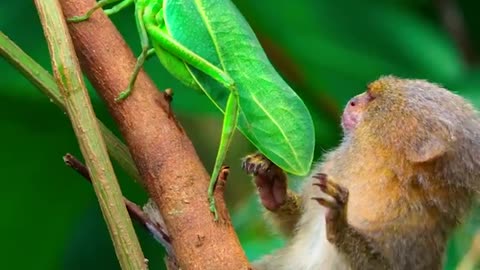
<point>208,45</point>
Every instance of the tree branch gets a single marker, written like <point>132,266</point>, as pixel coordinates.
<point>69,80</point>
<point>136,213</point>
<point>171,170</point>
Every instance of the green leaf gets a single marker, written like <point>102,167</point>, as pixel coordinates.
<point>271,115</point>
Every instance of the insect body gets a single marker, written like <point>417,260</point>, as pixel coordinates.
<point>209,46</point>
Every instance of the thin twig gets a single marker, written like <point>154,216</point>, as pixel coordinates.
<point>69,79</point>
<point>454,23</point>
<point>168,97</point>
<point>156,229</point>
<point>153,227</point>
<point>222,181</point>
<point>78,166</point>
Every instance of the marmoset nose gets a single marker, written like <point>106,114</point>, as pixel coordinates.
<point>353,102</point>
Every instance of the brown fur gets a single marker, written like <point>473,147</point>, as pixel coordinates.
<point>411,164</point>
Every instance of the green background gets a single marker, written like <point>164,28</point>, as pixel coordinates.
<point>327,50</point>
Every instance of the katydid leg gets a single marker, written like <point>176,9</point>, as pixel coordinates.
<point>141,58</point>
<point>143,37</point>
<point>169,44</point>
<point>150,52</point>
<point>231,110</point>
<point>100,4</point>
<point>118,7</point>
<point>175,48</point>
<point>229,125</point>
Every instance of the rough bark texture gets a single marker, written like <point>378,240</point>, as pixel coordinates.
<point>169,166</point>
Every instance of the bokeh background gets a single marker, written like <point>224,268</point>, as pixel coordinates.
<point>328,50</point>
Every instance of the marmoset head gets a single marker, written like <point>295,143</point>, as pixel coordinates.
<point>419,119</point>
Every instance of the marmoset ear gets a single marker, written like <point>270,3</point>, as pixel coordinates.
<point>426,149</point>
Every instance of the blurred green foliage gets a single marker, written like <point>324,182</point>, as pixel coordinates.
<point>327,50</point>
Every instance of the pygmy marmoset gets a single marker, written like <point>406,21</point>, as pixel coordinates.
<point>404,176</point>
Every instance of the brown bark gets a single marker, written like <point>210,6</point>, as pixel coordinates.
<point>169,166</point>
